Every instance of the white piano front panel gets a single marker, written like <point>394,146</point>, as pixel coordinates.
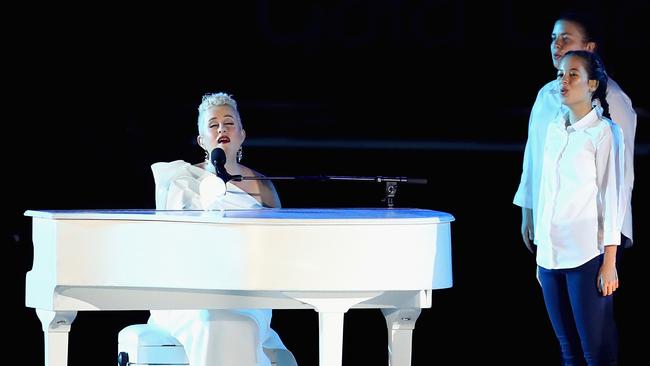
<point>243,256</point>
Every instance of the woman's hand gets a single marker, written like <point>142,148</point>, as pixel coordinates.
<point>607,279</point>
<point>527,229</point>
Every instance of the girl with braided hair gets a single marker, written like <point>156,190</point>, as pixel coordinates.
<point>580,213</point>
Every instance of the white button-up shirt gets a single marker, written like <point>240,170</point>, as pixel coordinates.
<point>580,192</point>
<point>547,104</point>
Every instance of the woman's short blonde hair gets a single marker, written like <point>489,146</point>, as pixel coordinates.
<point>214,100</point>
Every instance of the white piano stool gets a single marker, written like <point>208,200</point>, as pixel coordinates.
<point>148,344</point>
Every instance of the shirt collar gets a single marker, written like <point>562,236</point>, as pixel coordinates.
<point>584,122</point>
<point>587,120</point>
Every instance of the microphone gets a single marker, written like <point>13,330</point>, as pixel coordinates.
<point>218,159</point>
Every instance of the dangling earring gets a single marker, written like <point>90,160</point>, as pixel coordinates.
<point>240,154</point>
<point>207,158</point>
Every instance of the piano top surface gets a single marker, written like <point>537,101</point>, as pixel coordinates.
<point>318,215</point>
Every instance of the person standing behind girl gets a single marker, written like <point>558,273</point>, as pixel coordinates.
<point>579,214</point>
<point>571,31</point>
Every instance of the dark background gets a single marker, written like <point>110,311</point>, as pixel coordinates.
<point>433,89</point>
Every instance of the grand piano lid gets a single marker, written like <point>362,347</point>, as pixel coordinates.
<point>258,216</point>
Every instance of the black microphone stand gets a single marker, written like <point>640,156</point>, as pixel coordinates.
<point>391,182</point>
<point>218,159</point>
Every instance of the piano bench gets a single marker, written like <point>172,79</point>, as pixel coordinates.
<point>148,344</point>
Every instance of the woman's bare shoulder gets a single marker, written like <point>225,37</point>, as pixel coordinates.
<point>246,171</point>
<point>267,189</point>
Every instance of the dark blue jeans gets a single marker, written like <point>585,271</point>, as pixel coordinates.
<point>582,318</point>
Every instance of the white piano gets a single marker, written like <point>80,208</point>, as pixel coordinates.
<point>329,260</point>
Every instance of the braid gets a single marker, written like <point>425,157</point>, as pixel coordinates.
<point>600,93</point>
<point>598,73</point>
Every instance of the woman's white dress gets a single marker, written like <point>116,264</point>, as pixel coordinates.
<point>239,337</point>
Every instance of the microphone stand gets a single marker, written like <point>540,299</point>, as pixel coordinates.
<point>391,182</point>
<point>218,160</point>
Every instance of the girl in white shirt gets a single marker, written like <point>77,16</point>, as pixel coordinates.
<point>579,214</point>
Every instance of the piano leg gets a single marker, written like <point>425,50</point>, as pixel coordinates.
<point>56,326</point>
<point>330,338</point>
<point>401,323</point>
<point>330,321</point>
